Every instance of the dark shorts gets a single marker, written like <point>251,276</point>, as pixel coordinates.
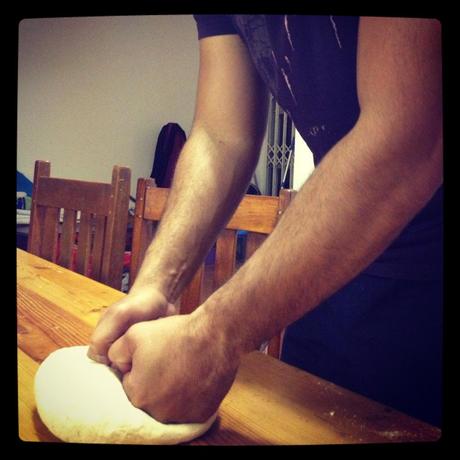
<point>379,337</point>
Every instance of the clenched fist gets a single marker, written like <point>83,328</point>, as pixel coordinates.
<point>176,368</point>
<point>141,305</point>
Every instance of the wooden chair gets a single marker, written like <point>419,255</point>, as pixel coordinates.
<point>93,246</point>
<point>256,214</point>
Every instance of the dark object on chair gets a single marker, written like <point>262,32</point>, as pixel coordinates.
<point>253,190</point>
<point>169,144</point>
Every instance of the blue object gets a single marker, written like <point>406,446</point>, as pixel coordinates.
<point>23,184</point>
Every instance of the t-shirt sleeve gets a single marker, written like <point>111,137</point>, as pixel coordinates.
<point>214,24</point>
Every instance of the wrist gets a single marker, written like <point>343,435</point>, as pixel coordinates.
<point>146,293</point>
<point>221,329</point>
<point>162,273</point>
<point>151,284</point>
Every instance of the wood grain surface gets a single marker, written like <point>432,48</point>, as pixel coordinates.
<point>270,402</point>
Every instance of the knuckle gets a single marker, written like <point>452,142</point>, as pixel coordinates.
<point>121,313</point>
<point>136,393</point>
<point>131,333</point>
<point>138,399</point>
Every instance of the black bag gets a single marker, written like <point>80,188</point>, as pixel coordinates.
<point>169,144</point>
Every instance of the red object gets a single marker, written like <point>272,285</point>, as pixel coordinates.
<point>126,257</point>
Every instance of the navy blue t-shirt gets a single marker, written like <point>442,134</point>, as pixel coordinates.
<point>309,64</point>
<point>381,334</point>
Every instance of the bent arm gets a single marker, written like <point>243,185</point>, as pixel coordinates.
<point>214,168</point>
<point>360,197</point>
<point>212,174</point>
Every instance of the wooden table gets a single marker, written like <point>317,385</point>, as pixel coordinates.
<point>269,403</point>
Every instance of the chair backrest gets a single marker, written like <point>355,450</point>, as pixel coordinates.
<point>92,244</point>
<point>256,215</point>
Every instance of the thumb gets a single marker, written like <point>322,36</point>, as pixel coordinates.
<point>120,355</point>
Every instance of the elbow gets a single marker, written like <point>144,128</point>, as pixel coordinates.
<point>408,161</point>
<point>226,141</point>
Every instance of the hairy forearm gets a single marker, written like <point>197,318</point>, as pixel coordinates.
<point>214,168</point>
<point>210,179</point>
<point>355,203</point>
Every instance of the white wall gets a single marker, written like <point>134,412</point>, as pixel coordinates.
<point>94,92</point>
<point>303,162</point>
<point>261,169</point>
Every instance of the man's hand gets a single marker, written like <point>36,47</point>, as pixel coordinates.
<point>140,305</point>
<point>174,369</point>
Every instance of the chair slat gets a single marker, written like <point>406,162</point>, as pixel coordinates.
<point>155,202</point>
<point>98,246</point>
<point>142,229</point>
<point>50,234</point>
<point>117,221</point>
<point>191,296</point>
<point>35,237</point>
<point>69,228</point>
<point>37,214</point>
<point>84,243</point>
<point>225,257</point>
<point>253,242</point>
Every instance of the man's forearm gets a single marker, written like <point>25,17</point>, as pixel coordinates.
<point>210,180</point>
<point>352,207</point>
